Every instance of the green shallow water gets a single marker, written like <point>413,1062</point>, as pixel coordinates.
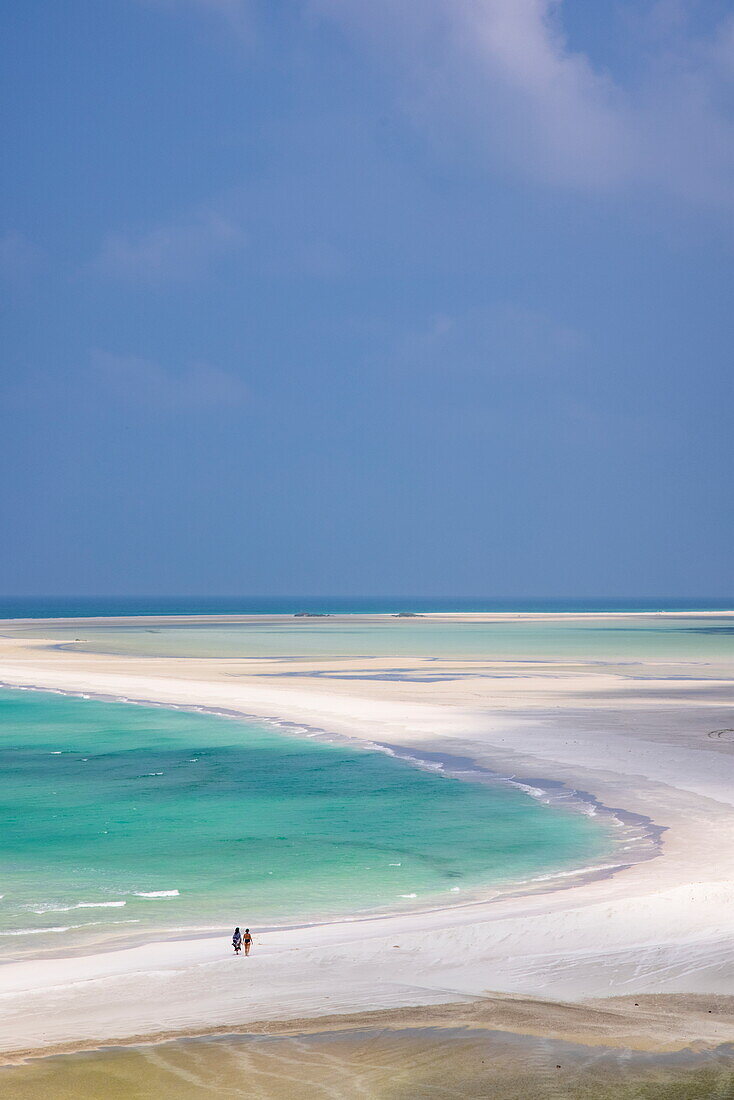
<point>381,1063</point>
<point>629,638</point>
<point>222,821</point>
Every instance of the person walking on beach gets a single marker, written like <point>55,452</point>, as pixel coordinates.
<point>237,941</point>
<point>247,940</point>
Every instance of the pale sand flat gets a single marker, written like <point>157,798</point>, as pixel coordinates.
<point>628,734</point>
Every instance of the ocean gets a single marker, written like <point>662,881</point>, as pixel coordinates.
<point>51,607</point>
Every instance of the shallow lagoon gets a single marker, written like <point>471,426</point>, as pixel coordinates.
<point>612,637</point>
<point>118,819</point>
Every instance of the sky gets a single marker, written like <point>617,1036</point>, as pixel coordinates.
<point>408,297</point>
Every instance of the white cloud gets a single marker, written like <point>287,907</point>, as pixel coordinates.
<point>504,339</point>
<point>169,253</point>
<point>547,105</point>
<point>131,380</point>
<point>499,78</point>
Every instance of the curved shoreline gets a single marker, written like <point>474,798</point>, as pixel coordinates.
<point>637,831</point>
<point>664,925</point>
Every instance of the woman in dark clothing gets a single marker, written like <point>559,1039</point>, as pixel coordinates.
<point>237,941</point>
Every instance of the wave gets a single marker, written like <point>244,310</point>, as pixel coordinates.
<point>577,871</point>
<point>60,928</point>
<point>78,905</point>
<point>156,893</point>
<point>37,931</point>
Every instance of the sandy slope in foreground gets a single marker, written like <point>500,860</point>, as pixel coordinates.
<point>636,738</point>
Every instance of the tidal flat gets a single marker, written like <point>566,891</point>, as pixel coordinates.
<point>382,1064</point>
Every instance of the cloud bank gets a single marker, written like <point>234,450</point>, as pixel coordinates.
<point>131,380</point>
<point>170,253</point>
<point>499,78</point>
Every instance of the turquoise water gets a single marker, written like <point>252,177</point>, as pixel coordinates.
<point>619,637</point>
<point>119,819</point>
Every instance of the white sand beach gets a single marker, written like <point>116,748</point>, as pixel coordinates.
<point>653,738</point>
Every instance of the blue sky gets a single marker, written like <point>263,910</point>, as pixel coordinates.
<point>410,296</point>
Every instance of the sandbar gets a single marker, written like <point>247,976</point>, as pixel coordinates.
<point>653,738</point>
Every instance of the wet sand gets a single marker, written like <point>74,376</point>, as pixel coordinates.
<point>426,1053</point>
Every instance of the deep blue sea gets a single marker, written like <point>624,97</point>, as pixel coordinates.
<point>51,607</point>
